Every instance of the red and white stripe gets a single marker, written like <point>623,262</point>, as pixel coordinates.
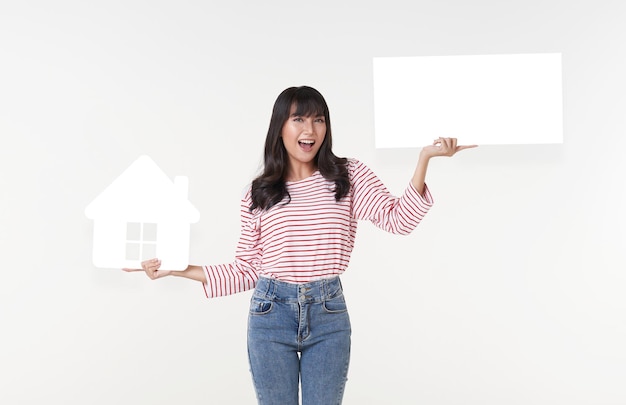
<point>312,236</point>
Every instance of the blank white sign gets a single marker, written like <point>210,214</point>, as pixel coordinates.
<point>480,99</point>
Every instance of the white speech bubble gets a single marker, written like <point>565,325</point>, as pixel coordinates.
<point>480,99</point>
<point>142,215</point>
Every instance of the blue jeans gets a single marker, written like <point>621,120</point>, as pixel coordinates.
<point>299,331</point>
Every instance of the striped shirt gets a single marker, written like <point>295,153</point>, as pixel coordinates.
<point>311,236</point>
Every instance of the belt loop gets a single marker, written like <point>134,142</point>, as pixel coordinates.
<point>325,287</point>
<point>269,283</point>
<point>271,289</point>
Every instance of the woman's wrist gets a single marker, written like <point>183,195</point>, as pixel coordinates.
<point>192,272</point>
<point>419,177</point>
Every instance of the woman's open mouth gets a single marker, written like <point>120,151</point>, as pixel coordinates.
<point>306,144</point>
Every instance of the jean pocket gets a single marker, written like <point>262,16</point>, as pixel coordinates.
<point>259,306</point>
<point>335,305</point>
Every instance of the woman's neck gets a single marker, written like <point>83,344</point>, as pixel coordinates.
<point>300,172</point>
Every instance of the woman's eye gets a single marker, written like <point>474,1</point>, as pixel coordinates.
<point>320,120</point>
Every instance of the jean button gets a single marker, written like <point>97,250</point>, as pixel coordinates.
<point>302,297</point>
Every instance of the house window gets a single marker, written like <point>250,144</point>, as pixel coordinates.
<point>141,239</point>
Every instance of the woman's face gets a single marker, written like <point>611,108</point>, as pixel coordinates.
<point>303,137</point>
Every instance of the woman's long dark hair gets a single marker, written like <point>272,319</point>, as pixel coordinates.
<point>269,188</point>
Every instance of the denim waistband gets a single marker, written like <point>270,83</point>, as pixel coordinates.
<point>314,291</point>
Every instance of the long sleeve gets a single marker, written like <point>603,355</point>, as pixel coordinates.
<point>242,274</point>
<point>372,201</point>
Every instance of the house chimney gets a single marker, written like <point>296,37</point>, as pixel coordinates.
<point>181,185</point>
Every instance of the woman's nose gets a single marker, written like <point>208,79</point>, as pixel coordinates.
<point>308,126</point>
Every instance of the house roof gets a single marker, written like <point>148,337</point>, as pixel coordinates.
<point>144,193</point>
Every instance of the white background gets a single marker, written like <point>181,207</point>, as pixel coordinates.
<point>510,292</point>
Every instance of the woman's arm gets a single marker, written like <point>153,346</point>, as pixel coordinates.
<point>440,147</point>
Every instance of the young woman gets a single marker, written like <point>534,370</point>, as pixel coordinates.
<point>298,224</point>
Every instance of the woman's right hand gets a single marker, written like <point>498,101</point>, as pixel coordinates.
<point>151,268</point>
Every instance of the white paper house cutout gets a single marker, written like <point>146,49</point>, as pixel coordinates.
<point>142,215</point>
